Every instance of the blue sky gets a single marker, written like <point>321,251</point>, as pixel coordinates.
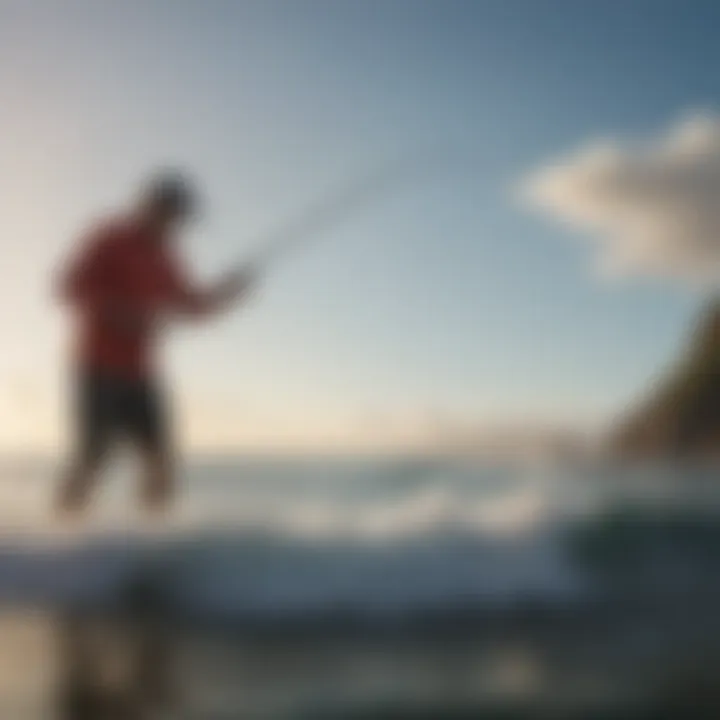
<point>443,299</point>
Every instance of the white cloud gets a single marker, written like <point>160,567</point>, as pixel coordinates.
<point>653,208</point>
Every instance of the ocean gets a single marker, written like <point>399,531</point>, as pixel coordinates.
<point>382,572</point>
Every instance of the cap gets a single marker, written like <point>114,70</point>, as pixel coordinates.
<point>174,192</point>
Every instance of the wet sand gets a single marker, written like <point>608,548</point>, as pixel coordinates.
<point>86,667</point>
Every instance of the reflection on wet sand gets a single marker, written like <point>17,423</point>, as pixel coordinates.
<point>118,665</point>
<point>633,664</point>
<point>112,670</point>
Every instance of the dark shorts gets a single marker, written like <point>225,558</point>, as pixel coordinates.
<point>111,408</point>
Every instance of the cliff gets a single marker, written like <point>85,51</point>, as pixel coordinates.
<point>681,417</point>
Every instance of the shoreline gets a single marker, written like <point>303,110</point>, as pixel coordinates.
<point>623,666</point>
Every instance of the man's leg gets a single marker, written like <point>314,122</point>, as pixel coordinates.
<point>77,483</point>
<point>150,432</point>
<point>93,406</point>
<point>158,482</point>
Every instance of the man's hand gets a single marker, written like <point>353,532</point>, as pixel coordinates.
<point>235,287</point>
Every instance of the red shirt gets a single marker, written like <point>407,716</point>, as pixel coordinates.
<point>123,277</point>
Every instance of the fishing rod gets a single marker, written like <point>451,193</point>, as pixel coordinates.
<point>321,217</point>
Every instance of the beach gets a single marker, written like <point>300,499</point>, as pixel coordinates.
<point>560,666</point>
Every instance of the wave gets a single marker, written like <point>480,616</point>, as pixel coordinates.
<point>245,575</point>
<point>410,544</point>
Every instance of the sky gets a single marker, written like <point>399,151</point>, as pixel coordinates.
<point>456,299</point>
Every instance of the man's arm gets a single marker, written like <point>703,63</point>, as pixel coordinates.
<point>185,298</point>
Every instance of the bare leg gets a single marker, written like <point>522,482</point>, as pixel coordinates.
<point>158,481</point>
<point>77,484</point>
